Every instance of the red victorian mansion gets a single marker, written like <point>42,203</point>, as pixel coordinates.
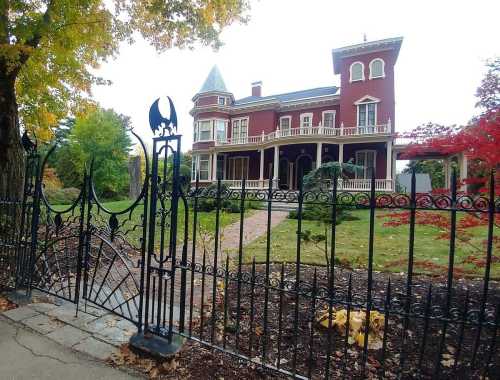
<point>284,136</point>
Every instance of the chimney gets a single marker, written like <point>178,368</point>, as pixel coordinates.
<point>257,88</point>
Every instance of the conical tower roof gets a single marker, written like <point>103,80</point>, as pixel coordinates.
<point>214,82</point>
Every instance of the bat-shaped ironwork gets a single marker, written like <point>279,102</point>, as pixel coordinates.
<point>28,145</point>
<point>157,120</point>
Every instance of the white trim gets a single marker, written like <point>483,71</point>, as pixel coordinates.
<point>211,138</point>
<point>302,115</point>
<point>240,119</point>
<point>289,117</point>
<point>362,72</point>
<point>323,117</point>
<point>367,99</point>
<point>225,100</point>
<point>366,116</point>
<point>365,167</point>
<point>383,68</point>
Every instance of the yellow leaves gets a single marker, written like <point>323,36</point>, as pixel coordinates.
<point>357,326</point>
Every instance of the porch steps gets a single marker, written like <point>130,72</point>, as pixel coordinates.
<point>286,207</point>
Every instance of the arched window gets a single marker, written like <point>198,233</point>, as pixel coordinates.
<point>377,68</point>
<point>357,71</point>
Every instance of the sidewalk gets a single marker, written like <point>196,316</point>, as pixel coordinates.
<point>25,354</point>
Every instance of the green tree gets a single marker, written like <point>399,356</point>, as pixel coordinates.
<point>102,137</point>
<point>48,49</point>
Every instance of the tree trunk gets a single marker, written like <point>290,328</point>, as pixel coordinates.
<point>11,151</point>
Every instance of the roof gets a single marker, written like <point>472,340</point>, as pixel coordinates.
<point>290,96</point>
<point>214,82</point>
<point>364,48</point>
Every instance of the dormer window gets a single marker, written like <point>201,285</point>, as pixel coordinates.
<point>357,71</point>
<point>377,68</point>
<point>221,100</point>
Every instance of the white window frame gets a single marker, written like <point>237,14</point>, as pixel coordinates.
<point>287,133</point>
<point>367,99</point>
<point>304,115</point>
<point>198,130</point>
<point>196,167</point>
<point>224,98</point>
<point>365,151</point>
<point>334,112</point>
<point>216,132</point>
<point>383,68</point>
<point>231,166</point>
<point>239,139</point>
<point>362,72</point>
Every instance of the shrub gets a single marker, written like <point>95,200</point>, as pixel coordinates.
<point>322,213</point>
<point>62,196</point>
<point>208,204</point>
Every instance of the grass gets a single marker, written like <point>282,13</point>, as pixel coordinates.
<point>390,246</point>
<point>206,220</point>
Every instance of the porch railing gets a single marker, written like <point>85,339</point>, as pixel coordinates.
<point>308,131</point>
<point>343,184</point>
<point>250,183</point>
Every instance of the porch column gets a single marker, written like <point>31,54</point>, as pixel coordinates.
<point>319,148</point>
<point>446,169</point>
<point>463,170</point>
<point>224,170</point>
<point>388,173</point>
<point>214,166</point>
<point>276,163</point>
<point>341,154</point>
<point>261,171</point>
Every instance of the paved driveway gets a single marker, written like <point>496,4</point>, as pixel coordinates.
<point>28,355</point>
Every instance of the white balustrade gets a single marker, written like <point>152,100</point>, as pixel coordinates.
<point>343,184</point>
<point>307,131</point>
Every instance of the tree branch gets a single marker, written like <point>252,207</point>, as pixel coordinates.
<point>4,21</point>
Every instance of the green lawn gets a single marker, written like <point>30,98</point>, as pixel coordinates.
<point>206,220</point>
<point>390,246</point>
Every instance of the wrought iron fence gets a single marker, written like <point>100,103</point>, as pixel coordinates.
<point>178,280</point>
<point>324,322</point>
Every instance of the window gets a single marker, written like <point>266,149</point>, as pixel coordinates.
<point>366,159</point>
<point>367,114</point>
<point>329,119</point>
<point>238,168</point>
<point>203,130</point>
<point>240,130</point>
<point>285,123</point>
<point>221,100</point>
<point>377,68</point>
<point>357,71</point>
<point>201,166</point>
<point>220,128</point>
<point>306,120</point>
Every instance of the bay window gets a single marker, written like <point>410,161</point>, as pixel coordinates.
<point>220,128</point>
<point>200,166</point>
<point>203,130</point>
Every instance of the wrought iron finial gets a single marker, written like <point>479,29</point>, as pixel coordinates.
<point>28,145</point>
<point>157,121</point>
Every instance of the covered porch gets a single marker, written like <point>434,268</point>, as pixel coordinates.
<point>287,164</point>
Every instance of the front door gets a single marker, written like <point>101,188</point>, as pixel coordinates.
<point>304,166</point>
<point>283,174</point>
